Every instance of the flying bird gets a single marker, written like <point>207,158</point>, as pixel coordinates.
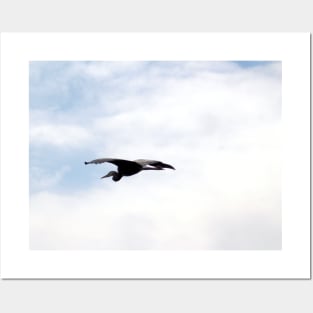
<point>129,168</point>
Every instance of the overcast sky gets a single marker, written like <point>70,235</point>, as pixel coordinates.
<point>217,123</point>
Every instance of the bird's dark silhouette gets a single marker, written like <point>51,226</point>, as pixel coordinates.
<point>129,168</point>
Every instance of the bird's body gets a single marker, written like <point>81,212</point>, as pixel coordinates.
<point>129,168</point>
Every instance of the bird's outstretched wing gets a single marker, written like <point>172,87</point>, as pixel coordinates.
<point>117,162</point>
<point>157,164</point>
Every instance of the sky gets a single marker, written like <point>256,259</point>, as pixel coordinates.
<point>218,123</point>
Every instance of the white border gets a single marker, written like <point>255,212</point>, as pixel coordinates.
<point>17,261</point>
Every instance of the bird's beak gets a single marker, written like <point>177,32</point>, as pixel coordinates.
<point>105,176</point>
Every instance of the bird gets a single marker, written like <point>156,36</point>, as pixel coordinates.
<point>129,168</point>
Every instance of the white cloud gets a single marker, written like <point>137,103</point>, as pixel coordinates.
<point>42,179</point>
<point>101,70</point>
<point>197,208</point>
<point>59,135</point>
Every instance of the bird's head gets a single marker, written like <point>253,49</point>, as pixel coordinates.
<point>115,175</point>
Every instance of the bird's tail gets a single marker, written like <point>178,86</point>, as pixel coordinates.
<point>167,166</point>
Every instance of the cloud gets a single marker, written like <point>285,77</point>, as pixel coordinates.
<point>218,123</point>
<point>164,211</point>
<point>64,136</point>
<point>43,179</point>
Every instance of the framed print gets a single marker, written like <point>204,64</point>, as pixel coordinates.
<point>155,155</point>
